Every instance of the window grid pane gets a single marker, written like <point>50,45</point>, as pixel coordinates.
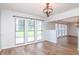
<point>20,27</point>
<point>34,30</point>
<point>61,29</point>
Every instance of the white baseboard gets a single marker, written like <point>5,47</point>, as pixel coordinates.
<point>52,41</point>
<point>22,44</point>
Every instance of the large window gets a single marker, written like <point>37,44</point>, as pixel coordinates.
<point>34,30</point>
<point>38,28</point>
<point>31,30</point>
<point>61,29</point>
<point>20,30</point>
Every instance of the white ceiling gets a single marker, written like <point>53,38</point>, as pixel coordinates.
<point>69,20</point>
<point>36,8</point>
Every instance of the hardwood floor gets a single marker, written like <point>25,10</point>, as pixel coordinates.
<point>64,46</point>
<point>68,41</point>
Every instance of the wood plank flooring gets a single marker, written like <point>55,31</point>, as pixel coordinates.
<point>64,46</point>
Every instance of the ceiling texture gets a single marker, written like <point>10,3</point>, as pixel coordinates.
<point>36,8</point>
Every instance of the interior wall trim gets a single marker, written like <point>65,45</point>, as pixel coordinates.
<point>29,18</point>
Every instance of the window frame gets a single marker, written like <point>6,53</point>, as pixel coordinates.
<point>19,31</point>
<point>61,30</point>
<point>34,26</point>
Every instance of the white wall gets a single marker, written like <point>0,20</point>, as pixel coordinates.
<point>50,35</point>
<point>50,32</point>
<point>8,27</point>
